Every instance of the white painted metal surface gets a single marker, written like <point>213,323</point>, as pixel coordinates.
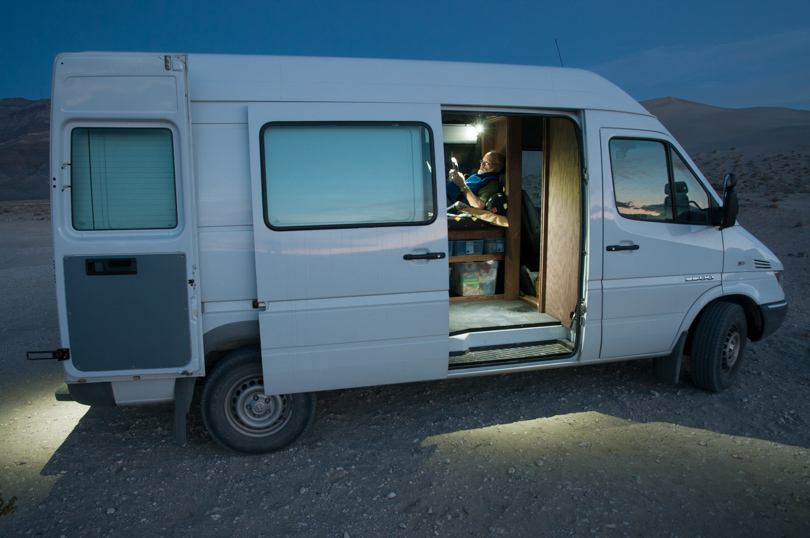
<point>341,306</point>
<point>102,90</point>
<point>646,292</point>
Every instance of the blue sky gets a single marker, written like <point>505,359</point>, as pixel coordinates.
<point>728,53</point>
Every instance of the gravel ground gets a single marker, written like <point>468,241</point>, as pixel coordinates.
<point>601,450</point>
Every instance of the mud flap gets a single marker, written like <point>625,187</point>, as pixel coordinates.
<point>668,369</point>
<point>183,392</point>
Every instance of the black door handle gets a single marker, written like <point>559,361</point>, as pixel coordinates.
<point>616,248</point>
<point>428,256</point>
<point>111,266</point>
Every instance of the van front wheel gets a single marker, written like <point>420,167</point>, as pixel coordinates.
<point>241,417</point>
<point>718,346</point>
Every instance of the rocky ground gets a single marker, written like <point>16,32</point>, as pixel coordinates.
<point>594,451</point>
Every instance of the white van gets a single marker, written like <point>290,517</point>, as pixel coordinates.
<point>279,226</point>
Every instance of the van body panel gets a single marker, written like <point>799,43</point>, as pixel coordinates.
<point>746,253</point>
<point>595,208</point>
<point>772,317</point>
<point>592,321</point>
<point>335,296</point>
<point>224,183</point>
<point>750,267</point>
<point>112,234</point>
<point>353,80</point>
<point>653,271</point>
<point>226,254</point>
<point>711,295</point>
<point>512,368</point>
<point>761,286</point>
<point>345,305</point>
<point>145,291</point>
<point>330,344</point>
<point>461,343</point>
<point>143,391</point>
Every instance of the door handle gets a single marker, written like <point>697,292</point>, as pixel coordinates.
<point>428,256</point>
<point>616,248</point>
<point>111,266</point>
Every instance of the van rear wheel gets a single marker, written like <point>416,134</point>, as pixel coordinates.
<point>718,346</point>
<point>241,417</point>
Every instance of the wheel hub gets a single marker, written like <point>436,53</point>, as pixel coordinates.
<point>253,411</point>
<point>259,407</point>
<point>731,349</point>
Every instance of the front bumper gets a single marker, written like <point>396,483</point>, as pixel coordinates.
<point>773,314</point>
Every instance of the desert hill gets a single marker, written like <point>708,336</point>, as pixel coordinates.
<point>703,128</point>
<point>768,147</point>
<point>24,149</point>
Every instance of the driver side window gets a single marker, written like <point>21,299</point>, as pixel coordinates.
<point>693,207</point>
<point>651,181</point>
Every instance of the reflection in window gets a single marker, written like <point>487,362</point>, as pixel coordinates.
<point>347,175</point>
<point>640,179</point>
<point>122,179</point>
<point>691,200</point>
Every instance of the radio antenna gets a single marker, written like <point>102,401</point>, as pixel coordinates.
<point>558,53</point>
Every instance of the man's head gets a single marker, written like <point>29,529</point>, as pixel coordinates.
<point>492,162</point>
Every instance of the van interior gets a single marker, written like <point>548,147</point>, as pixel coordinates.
<point>538,252</point>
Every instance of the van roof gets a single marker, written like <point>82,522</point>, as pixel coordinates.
<point>320,79</point>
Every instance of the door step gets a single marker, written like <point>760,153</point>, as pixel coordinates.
<point>511,355</point>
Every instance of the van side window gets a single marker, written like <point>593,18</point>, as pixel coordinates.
<point>652,182</point>
<point>122,179</point>
<point>347,175</point>
<point>640,179</point>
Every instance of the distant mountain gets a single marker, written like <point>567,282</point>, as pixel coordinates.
<point>701,129</point>
<point>24,149</point>
<point>704,129</point>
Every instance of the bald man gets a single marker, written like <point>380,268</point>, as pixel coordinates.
<point>478,188</point>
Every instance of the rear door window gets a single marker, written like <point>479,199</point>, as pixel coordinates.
<point>122,179</point>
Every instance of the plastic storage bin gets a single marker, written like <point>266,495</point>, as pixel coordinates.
<point>493,246</point>
<point>473,278</point>
<point>468,248</point>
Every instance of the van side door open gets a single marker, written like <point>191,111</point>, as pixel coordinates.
<point>351,242</point>
<point>661,252</point>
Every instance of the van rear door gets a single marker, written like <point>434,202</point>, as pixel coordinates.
<point>351,241</point>
<point>660,251</point>
<point>124,219</point>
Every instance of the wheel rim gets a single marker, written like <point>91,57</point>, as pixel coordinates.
<point>731,349</point>
<point>254,413</point>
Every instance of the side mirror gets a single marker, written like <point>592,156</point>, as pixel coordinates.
<point>731,204</point>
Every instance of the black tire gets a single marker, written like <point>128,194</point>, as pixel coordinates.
<point>719,346</point>
<point>241,417</point>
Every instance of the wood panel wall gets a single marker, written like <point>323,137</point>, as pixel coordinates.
<point>562,221</point>
<point>504,135</point>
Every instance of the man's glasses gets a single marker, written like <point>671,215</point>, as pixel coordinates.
<point>487,163</point>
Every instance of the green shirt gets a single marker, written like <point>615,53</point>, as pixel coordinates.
<point>489,190</point>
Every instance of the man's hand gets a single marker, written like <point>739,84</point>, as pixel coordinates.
<point>457,178</point>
